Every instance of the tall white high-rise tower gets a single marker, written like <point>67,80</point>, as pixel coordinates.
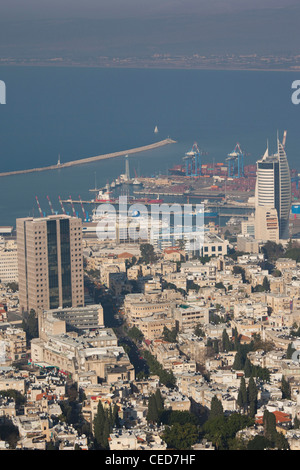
<point>273,189</point>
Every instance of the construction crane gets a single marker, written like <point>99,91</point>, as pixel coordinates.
<point>50,204</point>
<point>193,161</point>
<point>83,210</point>
<point>62,206</point>
<point>73,208</point>
<point>237,155</point>
<point>39,207</point>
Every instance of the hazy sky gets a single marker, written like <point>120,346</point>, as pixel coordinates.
<point>53,9</point>
<point>47,28</point>
<point>18,9</point>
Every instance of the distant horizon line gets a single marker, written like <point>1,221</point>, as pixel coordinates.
<point>148,67</point>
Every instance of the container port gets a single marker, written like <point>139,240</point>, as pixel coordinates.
<point>225,188</point>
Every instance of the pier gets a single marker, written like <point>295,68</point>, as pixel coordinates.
<point>83,161</point>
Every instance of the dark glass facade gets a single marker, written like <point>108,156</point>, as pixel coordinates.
<point>52,264</point>
<point>65,263</point>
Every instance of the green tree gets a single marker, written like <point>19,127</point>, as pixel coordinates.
<point>180,436</point>
<point>247,368</point>
<point>296,423</point>
<point>221,430</point>
<point>241,271</point>
<point>281,442</point>
<point>99,421</point>
<point>167,378</point>
<point>293,251</point>
<point>9,433</point>
<point>107,428</point>
<point>159,400</point>
<point>236,337</point>
<point>272,250</point>
<point>252,397</point>
<point>153,414</point>
<point>220,285</point>
<point>266,284</point>
<point>191,285</point>
<point>216,407</point>
<point>290,351</point>
<point>226,343</point>
<point>170,417</point>
<point>258,288</point>
<point>238,362</point>
<point>198,331</point>
<point>13,286</point>
<point>17,396</point>
<point>242,400</point>
<point>147,253</point>
<point>135,334</point>
<point>259,443</point>
<point>269,423</point>
<point>104,421</point>
<point>262,373</point>
<point>285,388</point>
<point>169,335</point>
<point>216,346</point>
<point>30,326</point>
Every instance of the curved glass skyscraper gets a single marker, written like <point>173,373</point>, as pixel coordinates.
<point>273,186</point>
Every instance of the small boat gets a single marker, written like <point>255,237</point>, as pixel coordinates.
<point>155,130</point>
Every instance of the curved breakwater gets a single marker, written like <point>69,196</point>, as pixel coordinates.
<point>83,161</point>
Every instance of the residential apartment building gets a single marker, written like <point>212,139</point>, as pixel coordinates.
<point>8,262</point>
<point>12,345</point>
<point>80,318</point>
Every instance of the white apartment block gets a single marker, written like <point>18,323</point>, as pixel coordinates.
<point>8,263</point>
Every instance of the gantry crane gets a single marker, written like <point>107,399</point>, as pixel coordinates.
<point>236,156</point>
<point>193,161</point>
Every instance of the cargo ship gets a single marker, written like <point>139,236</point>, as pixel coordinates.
<point>178,170</point>
<point>145,200</point>
<point>104,196</point>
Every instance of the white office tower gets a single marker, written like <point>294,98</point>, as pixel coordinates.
<point>273,191</point>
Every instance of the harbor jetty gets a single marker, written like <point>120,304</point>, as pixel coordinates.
<point>83,161</point>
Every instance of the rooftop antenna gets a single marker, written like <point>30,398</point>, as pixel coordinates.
<point>284,139</point>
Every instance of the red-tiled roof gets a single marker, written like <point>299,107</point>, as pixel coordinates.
<point>125,255</point>
<point>45,395</point>
<point>279,415</point>
<point>172,250</point>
